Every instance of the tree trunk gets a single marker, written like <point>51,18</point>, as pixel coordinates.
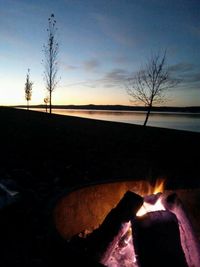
<point>147,115</point>
<point>27,105</point>
<point>50,102</point>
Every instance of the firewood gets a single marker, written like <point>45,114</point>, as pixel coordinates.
<point>103,240</point>
<point>156,240</point>
<point>189,239</point>
<point>152,199</point>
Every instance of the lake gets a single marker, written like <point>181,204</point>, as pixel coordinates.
<point>180,121</point>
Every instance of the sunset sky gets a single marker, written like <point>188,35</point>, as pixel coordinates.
<point>102,43</point>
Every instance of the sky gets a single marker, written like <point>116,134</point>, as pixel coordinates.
<point>102,43</point>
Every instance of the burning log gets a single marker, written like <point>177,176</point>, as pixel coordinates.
<point>156,240</point>
<point>142,232</point>
<point>189,240</point>
<point>103,241</point>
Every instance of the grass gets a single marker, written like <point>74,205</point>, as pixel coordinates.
<point>46,154</point>
<point>38,148</point>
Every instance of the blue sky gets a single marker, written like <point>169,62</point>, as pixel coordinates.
<point>102,43</point>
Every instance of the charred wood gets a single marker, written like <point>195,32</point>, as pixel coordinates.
<point>103,240</point>
<point>189,239</point>
<point>156,240</point>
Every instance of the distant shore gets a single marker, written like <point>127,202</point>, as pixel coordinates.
<point>190,109</point>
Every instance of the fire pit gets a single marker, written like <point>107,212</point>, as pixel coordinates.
<point>131,224</point>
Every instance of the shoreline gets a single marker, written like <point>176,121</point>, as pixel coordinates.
<point>165,119</point>
<point>191,109</point>
<point>112,110</point>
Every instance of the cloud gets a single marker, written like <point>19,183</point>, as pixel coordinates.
<point>181,67</point>
<point>91,64</point>
<point>116,75</point>
<point>188,74</point>
<point>120,59</point>
<point>114,78</point>
<point>69,67</point>
<point>113,28</point>
<point>88,83</point>
<point>192,77</point>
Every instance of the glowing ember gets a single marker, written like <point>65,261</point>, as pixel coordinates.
<point>123,255</point>
<point>152,202</point>
<point>147,228</point>
<point>146,207</point>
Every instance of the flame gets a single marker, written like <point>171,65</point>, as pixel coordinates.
<point>149,206</point>
<point>145,189</point>
<point>159,186</point>
<point>146,207</point>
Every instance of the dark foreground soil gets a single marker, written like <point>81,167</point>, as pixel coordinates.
<point>43,155</point>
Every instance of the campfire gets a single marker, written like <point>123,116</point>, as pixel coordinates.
<point>147,229</point>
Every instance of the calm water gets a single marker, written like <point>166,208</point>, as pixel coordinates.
<point>181,121</point>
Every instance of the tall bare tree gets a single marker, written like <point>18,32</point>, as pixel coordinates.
<point>28,88</point>
<point>50,59</point>
<point>149,84</point>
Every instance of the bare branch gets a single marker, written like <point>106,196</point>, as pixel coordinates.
<point>50,58</point>
<point>149,84</point>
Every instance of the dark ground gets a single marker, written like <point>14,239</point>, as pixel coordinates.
<point>46,154</point>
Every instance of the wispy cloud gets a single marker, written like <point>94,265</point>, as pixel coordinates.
<point>192,77</point>
<point>91,64</point>
<point>88,83</point>
<point>188,74</point>
<point>68,67</point>
<point>114,78</point>
<point>114,29</point>
<point>120,59</point>
<point>181,67</point>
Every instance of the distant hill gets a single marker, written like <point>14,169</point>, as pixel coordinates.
<point>193,109</point>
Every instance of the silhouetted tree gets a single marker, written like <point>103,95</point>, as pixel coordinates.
<point>149,84</point>
<point>50,59</point>
<point>46,101</point>
<point>28,88</point>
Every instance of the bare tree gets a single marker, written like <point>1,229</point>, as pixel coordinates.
<point>46,101</point>
<point>28,88</point>
<point>149,84</point>
<point>50,59</point>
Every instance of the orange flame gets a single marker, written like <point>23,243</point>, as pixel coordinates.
<point>145,189</point>
<point>159,186</point>
<point>147,207</point>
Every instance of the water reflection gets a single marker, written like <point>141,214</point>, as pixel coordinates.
<point>173,120</point>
